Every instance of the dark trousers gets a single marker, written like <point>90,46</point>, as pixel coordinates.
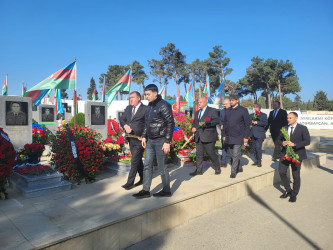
<point>296,171</point>
<point>257,148</point>
<point>277,148</point>
<point>235,153</point>
<point>210,149</point>
<point>224,152</point>
<point>136,163</point>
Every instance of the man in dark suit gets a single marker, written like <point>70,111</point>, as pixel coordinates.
<point>204,127</point>
<point>276,120</point>
<point>299,138</point>
<point>226,104</point>
<point>133,121</point>
<point>258,133</point>
<point>236,131</point>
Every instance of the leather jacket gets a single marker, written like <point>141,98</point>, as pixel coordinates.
<point>159,122</point>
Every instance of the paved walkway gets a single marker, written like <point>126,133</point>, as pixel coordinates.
<point>262,221</point>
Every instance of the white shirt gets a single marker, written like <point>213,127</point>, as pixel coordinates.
<point>289,129</point>
<point>202,112</point>
<point>136,108</point>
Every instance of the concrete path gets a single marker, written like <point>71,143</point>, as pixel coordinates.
<point>262,221</point>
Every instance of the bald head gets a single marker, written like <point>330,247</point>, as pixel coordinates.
<point>202,102</point>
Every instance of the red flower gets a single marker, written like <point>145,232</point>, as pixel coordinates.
<point>288,158</point>
<point>207,119</point>
<point>258,112</point>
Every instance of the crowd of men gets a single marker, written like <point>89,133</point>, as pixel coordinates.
<point>152,127</point>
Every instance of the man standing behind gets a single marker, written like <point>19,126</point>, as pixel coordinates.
<point>156,139</point>
<point>204,127</point>
<point>299,138</point>
<point>276,120</point>
<point>258,133</point>
<point>236,131</point>
<point>226,105</point>
<point>133,121</point>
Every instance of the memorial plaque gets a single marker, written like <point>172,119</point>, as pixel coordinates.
<point>96,117</point>
<point>16,113</point>
<point>47,114</point>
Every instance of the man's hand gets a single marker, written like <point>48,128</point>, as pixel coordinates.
<point>166,148</point>
<point>246,140</point>
<point>221,127</point>
<point>128,129</point>
<point>285,143</point>
<point>291,144</point>
<point>223,138</point>
<point>194,130</point>
<point>254,122</point>
<point>143,142</point>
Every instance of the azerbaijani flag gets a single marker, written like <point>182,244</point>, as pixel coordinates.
<point>124,84</point>
<point>220,93</point>
<point>94,95</point>
<point>59,108</point>
<point>207,90</point>
<point>62,79</point>
<point>189,95</point>
<point>103,92</point>
<point>51,100</point>
<point>37,95</point>
<point>24,90</point>
<point>163,92</point>
<point>5,87</point>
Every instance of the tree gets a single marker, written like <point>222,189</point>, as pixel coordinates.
<point>139,75</point>
<point>64,94</point>
<point>218,65</point>
<point>320,101</point>
<point>157,71</point>
<point>248,103</point>
<point>113,75</point>
<point>198,69</point>
<point>91,89</point>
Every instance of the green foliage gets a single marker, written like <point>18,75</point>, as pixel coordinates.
<point>91,89</point>
<point>139,75</point>
<point>80,120</point>
<point>64,94</point>
<point>248,103</point>
<point>112,76</point>
<point>320,101</point>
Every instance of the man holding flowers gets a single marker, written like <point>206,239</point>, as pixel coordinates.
<point>204,127</point>
<point>293,139</point>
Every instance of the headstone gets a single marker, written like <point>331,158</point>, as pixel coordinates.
<point>47,117</point>
<point>16,119</point>
<point>96,117</point>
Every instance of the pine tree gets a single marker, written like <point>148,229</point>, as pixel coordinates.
<point>91,89</point>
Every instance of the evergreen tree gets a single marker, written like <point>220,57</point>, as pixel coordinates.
<point>91,89</point>
<point>320,101</point>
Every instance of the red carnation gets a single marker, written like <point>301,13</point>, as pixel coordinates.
<point>207,119</point>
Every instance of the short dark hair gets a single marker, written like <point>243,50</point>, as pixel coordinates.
<point>278,103</point>
<point>151,87</point>
<point>234,96</point>
<point>294,113</point>
<point>137,94</point>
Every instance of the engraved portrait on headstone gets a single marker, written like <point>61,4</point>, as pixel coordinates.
<point>47,114</point>
<point>16,113</point>
<point>97,115</point>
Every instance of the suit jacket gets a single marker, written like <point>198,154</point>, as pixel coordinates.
<point>259,130</point>
<point>300,137</point>
<point>207,133</point>
<point>222,114</point>
<point>137,123</point>
<point>16,119</point>
<point>275,124</point>
<point>236,125</point>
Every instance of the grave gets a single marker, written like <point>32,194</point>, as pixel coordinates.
<point>96,117</point>
<point>16,119</point>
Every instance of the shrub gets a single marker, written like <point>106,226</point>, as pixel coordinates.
<point>80,120</point>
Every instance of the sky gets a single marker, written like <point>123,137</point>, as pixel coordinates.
<point>39,37</point>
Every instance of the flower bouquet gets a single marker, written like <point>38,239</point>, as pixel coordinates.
<point>290,155</point>
<point>33,169</point>
<point>256,115</point>
<point>7,162</point>
<point>34,151</point>
<point>204,123</point>
<point>78,159</point>
<point>247,147</point>
<point>38,134</point>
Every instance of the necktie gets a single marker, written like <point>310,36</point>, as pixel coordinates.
<point>199,116</point>
<point>133,113</point>
<point>291,131</point>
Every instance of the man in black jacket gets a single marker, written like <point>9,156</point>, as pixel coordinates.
<point>204,127</point>
<point>258,133</point>
<point>156,139</point>
<point>236,131</point>
<point>133,121</point>
<point>276,120</point>
<point>299,138</point>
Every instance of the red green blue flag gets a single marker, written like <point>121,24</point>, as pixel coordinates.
<point>64,78</point>
<point>124,84</point>
<point>207,90</point>
<point>220,93</point>
<point>163,92</point>
<point>37,95</point>
<point>5,87</point>
<point>189,95</point>
<point>103,91</point>
<point>24,90</point>
<point>59,108</point>
<point>94,95</point>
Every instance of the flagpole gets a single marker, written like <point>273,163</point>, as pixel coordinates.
<point>194,96</point>
<point>222,78</point>
<point>7,83</point>
<point>178,94</point>
<point>75,98</point>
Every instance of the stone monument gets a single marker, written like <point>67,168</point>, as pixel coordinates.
<point>96,117</point>
<point>16,119</point>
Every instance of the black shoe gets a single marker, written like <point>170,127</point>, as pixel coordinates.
<point>259,165</point>
<point>233,175</point>
<point>255,164</point>
<point>223,165</point>
<point>195,173</point>
<point>217,172</point>
<point>285,195</point>
<point>292,199</point>
<point>142,194</point>
<point>240,170</point>
<point>138,183</point>
<point>162,194</point>
<point>127,186</point>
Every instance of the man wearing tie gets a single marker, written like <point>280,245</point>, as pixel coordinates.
<point>204,127</point>
<point>226,104</point>
<point>299,138</point>
<point>276,120</point>
<point>133,121</point>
